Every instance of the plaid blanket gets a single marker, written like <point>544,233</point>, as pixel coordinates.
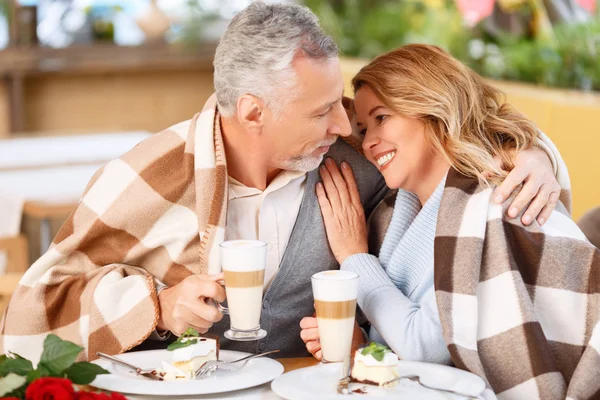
<point>157,212</point>
<point>518,305</point>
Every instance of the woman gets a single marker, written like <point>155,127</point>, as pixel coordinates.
<point>457,280</point>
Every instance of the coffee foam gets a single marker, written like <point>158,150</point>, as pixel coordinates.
<point>335,285</point>
<point>243,255</point>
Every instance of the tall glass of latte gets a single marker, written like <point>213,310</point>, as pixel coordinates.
<point>243,264</point>
<point>335,295</point>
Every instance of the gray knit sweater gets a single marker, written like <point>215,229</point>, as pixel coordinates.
<point>396,290</point>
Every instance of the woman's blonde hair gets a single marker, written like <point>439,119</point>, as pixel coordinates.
<point>467,120</point>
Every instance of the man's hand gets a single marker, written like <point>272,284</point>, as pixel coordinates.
<point>534,170</point>
<point>310,337</point>
<point>188,304</point>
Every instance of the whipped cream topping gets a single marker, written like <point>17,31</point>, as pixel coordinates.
<point>200,349</point>
<point>389,359</point>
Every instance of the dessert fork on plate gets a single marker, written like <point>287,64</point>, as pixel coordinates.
<point>342,385</point>
<point>212,365</point>
<point>146,373</point>
<point>417,379</point>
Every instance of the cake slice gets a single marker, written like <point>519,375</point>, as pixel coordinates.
<point>188,359</point>
<point>375,365</point>
<point>188,353</point>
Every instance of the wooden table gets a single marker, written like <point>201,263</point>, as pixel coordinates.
<point>290,364</point>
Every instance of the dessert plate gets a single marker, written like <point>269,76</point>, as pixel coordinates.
<point>321,380</point>
<point>256,372</point>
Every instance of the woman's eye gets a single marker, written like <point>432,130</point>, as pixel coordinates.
<point>381,118</point>
<point>363,131</point>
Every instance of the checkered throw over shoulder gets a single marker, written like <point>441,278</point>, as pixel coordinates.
<point>519,306</point>
<point>157,212</point>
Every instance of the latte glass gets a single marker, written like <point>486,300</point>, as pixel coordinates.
<point>335,295</point>
<point>243,263</point>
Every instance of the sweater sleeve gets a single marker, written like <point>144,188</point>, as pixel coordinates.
<point>412,330</point>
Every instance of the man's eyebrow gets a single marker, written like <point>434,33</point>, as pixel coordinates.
<point>329,105</point>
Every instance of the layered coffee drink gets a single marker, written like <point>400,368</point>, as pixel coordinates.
<point>243,264</point>
<point>335,295</point>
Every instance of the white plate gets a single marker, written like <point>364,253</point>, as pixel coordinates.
<point>255,372</point>
<point>320,382</point>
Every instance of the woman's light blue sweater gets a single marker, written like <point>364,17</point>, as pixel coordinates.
<point>395,291</point>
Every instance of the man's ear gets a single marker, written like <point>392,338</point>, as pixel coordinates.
<point>250,112</point>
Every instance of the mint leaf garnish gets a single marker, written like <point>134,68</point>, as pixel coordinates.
<point>179,343</point>
<point>83,373</point>
<point>376,350</point>
<point>190,332</point>
<point>378,355</point>
<point>58,355</point>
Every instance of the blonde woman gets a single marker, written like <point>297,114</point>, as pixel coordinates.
<point>456,280</point>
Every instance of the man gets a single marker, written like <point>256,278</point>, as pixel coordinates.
<point>139,256</point>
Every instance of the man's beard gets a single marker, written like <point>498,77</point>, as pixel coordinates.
<point>305,162</point>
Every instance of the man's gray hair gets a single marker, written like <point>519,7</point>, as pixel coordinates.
<point>255,54</point>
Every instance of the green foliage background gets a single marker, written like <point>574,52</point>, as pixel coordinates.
<point>570,59</point>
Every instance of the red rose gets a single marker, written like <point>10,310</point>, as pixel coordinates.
<point>89,396</point>
<point>98,396</point>
<point>10,398</point>
<point>50,389</point>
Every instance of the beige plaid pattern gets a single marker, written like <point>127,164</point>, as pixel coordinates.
<point>157,212</point>
<point>518,305</point>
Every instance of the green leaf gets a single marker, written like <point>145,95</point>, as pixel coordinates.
<point>83,373</point>
<point>376,350</point>
<point>10,383</point>
<point>190,332</point>
<point>178,344</point>
<point>33,375</point>
<point>58,355</point>
<point>17,365</point>
<point>378,355</point>
<point>43,370</point>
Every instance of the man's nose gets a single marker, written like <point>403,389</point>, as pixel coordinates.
<point>340,125</point>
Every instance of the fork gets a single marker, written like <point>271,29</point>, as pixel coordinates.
<point>416,378</point>
<point>212,365</point>
<point>147,373</point>
<point>342,385</point>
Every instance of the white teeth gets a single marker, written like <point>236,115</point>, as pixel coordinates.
<point>385,159</point>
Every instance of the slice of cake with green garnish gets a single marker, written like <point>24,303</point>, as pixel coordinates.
<point>188,353</point>
<point>375,364</point>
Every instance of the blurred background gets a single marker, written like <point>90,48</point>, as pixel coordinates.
<point>83,81</point>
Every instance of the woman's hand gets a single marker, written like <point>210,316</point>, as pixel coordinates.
<point>310,337</point>
<point>342,211</point>
<point>540,191</point>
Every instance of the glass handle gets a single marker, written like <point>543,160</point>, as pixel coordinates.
<point>222,309</point>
